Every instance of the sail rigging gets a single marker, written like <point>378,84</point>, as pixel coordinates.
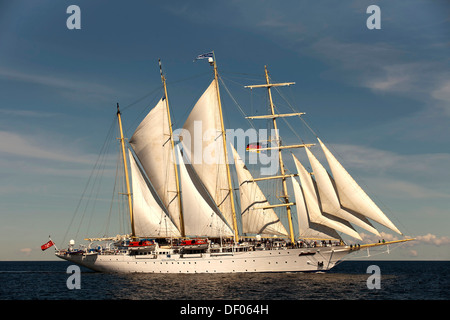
<point>328,197</point>
<point>325,203</point>
<point>151,143</point>
<point>203,142</point>
<point>308,229</point>
<point>150,218</point>
<point>255,217</point>
<point>313,206</point>
<point>200,218</point>
<point>352,196</point>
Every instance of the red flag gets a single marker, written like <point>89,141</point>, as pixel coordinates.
<point>47,245</point>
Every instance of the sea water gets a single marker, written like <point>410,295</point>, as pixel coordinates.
<point>399,280</point>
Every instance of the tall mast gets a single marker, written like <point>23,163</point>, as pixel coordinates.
<point>163,79</point>
<point>125,167</point>
<point>224,140</point>
<point>274,117</point>
<point>280,157</point>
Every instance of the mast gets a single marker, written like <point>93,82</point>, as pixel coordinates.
<point>163,79</point>
<point>125,167</point>
<point>280,157</point>
<point>230,187</point>
<point>274,117</point>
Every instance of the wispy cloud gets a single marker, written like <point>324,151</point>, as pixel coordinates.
<point>31,165</point>
<point>26,251</point>
<point>30,147</point>
<point>391,178</point>
<point>70,85</point>
<point>379,160</point>
<point>408,190</point>
<point>442,94</point>
<point>422,169</point>
<point>28,113</point>
<point>380,66</point>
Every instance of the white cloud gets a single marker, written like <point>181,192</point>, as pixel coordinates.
<point>434,240</point>
<point>26,251</point>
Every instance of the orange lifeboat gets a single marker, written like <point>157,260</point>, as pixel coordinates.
<point>142,245</point>
<point>194,244</point>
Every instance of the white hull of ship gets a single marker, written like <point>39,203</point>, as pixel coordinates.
<point>287,260</point>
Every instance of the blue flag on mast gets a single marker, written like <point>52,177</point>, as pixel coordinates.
<point>205,56</point>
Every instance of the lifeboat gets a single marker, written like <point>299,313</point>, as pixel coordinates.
<point>142,245</point>
<point>194,244</point>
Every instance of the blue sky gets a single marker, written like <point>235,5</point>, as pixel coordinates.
<point>380,98</point>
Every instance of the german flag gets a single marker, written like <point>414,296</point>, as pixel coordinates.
<point>254,147</point>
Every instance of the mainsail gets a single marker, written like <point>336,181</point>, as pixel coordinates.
<point>202,141</point>
<point>351,195</point>
<point>150,218</point>
<point>151,143</point>
<point>255,218</point>
<point>200,218</point>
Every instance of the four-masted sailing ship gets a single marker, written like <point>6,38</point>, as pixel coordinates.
<point>183,212</point>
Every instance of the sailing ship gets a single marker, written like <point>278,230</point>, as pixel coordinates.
<point>184,213</point>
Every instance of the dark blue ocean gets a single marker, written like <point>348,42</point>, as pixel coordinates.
<point>400,280</point>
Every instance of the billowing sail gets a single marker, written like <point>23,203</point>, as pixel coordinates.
<point>200,219</point>
<point>328,197</point>
<point>150,219</point>
<point>351,195</point>
<point>312,204</point>
<point>307,228</point>
<point>255,219</point>
<point>152,145</point>
<point>205,149</point>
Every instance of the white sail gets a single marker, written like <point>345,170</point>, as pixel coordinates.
<point>329,200</point>
<point>150,219</point>
<point>255,219</point>
<point>204,147</point>
<point>312,204</point>
<point>307,228</point>
<point>200,219</point>
<point>352,196</point>
<point>151,143</point>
